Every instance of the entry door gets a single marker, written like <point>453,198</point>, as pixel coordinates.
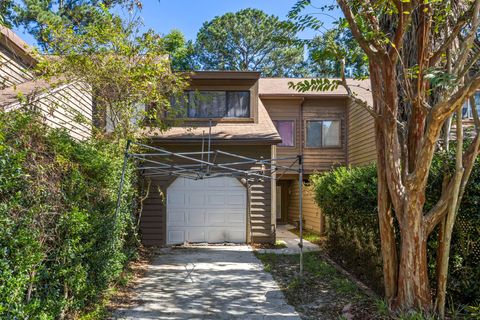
<point>210,210</point>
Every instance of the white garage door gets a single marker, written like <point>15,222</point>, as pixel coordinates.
<point>210,210</point>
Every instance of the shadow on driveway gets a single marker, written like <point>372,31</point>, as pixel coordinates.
<point>213,282</point>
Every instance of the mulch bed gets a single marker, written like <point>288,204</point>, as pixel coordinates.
<point>323,292</point>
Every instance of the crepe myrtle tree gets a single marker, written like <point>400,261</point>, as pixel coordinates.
<point>128,71</point>
<point>423,65</point>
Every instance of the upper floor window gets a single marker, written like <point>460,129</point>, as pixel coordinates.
<point>217,104</point>
<point>467,112</point>
<point>286,129</point>
<point>323,133</point>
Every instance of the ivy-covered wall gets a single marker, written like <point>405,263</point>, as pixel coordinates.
<point>60,244</point>
<point>347,197</point>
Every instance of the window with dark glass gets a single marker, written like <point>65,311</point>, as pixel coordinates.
<point>215,104</point>
<point>322,133</point>
<point>286,129</point>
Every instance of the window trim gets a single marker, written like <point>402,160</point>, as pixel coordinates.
<point>249,117</point>
<point>339,146</point>
<point>294,132</point>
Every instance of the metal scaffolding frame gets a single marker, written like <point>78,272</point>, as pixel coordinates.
<point>159,162</point>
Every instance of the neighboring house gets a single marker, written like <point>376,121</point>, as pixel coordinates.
<point>62,105</point>
<point>257,118</point>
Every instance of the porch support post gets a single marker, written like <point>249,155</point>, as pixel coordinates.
<point>300,213</point>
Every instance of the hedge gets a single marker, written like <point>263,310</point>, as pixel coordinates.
<point>60,245</point>
<point>347,197</point>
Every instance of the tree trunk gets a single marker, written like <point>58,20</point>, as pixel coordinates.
<point>413,286</point>
<point>385,220</point>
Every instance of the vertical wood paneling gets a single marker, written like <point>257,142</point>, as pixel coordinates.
<point>361,140</point>
<point>312,214</point>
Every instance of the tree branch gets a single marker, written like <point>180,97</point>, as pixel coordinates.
<point>364,43</point>
<point>435,120</point>
<point>467,44</point>
<point>452,36</point>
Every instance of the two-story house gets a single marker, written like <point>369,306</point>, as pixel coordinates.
<point>257,118</point>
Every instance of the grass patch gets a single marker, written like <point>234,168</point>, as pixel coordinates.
<point>322,292</point>
<point>308,235</point>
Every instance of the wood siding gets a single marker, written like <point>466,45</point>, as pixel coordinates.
<point>322,159</point>
<point>324,108</point>
<point>259,224</point>
<point>312,215</point>
<point>361,140</point>
<point>12,71</point>
<point>68,107</point>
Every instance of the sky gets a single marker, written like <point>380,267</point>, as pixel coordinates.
<point>189,15</point>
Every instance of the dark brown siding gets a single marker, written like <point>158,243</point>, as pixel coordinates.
<point>320,159</point>
<point>153,219</point>
<point>324,108</point>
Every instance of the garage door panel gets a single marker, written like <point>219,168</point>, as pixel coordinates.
<point>196,218</point>
<point>237,235</point>
<point>196,198</point>
<point>219,182</point>
<point>196,235</point>
<point>176,200</point>
<point>235,217</point>
<point>177,217</point>
<point>237,199</point>
<point>176,236</point>
<point>217,235</point>
<point>216,217</point>
<point>212,210</point>
<point>216,199</point>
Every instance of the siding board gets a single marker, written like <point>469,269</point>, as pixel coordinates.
<point>313,217</point>
<point>361,140</point>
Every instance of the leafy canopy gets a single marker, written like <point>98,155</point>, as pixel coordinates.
<point>37,15</point>
<point>128,70</point>
<point>250,40</point>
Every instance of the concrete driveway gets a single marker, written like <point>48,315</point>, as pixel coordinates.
<point>214,282</point>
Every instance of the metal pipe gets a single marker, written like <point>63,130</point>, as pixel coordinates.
<point>164,165</point>
<point>300,213</point>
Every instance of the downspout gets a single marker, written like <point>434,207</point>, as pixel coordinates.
<point>300,126</point>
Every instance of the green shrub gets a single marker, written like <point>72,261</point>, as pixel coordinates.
<point>60,245</point>
<point>347,196</point>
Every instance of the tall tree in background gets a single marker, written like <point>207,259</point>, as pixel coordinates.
<point>181,51</point>
<point>5,12</point>
<point>37,15</point>
<point>423,65</point>
<point>327,51</point>
<point>250,40</point>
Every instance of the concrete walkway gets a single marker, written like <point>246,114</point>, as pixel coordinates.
<point>211,282</point>
<point>291,240</point>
